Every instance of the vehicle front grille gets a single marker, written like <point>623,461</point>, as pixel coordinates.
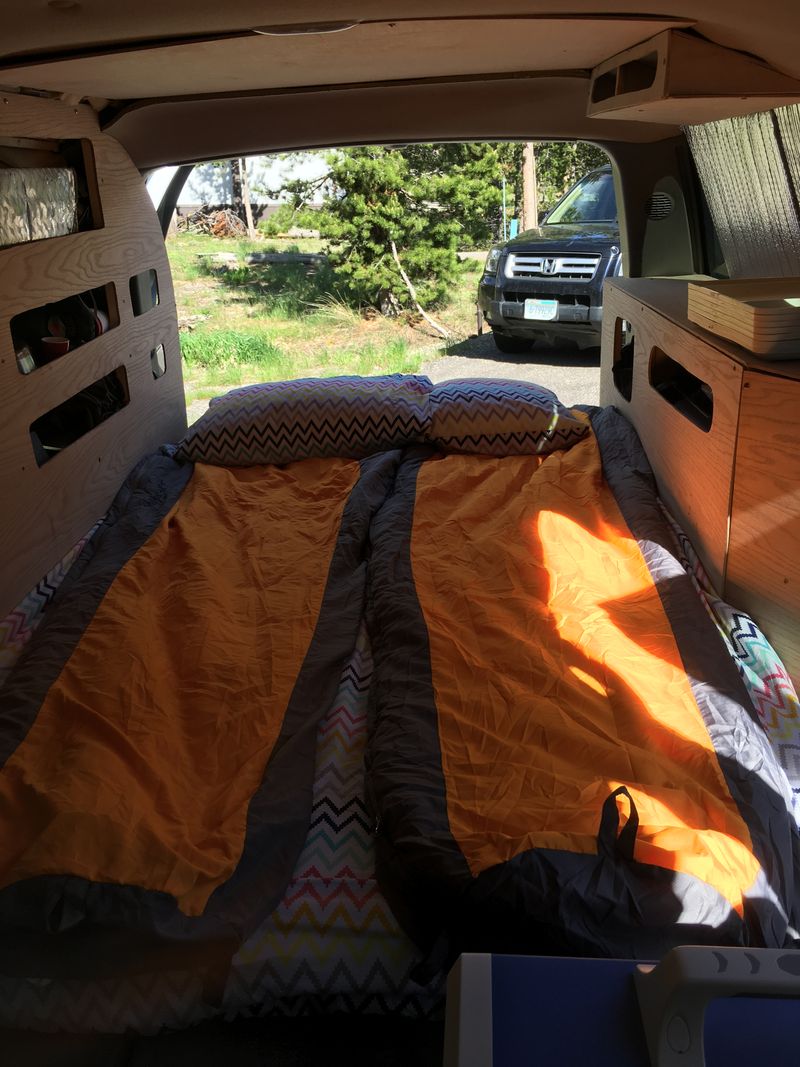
<point>576,268</point>
<point>519,297</point>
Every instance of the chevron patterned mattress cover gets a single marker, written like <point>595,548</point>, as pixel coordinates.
<point>279,889</point>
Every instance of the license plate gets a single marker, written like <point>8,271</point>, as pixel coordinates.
<point>543,310</point>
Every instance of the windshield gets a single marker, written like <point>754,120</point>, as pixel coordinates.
<point>592,200</point>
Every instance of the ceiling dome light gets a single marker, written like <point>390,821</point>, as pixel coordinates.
<point>305,28</point>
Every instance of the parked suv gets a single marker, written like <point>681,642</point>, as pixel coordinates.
<point>548,282</point>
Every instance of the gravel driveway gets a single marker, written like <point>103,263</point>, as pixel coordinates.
<point>573,375</point>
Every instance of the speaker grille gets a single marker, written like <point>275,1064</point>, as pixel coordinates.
<point>659,206</point>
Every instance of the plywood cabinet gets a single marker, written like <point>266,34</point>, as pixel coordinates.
<point>763,571</point>
<point>48,506</point>
<point>722,431</point>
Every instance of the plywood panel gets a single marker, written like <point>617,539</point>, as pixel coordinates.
<point>57,503</point>
<point>72,264</point>
<point>45,510</point>
<point>32,395</point>
<point>764,561</point>
<point>693,468</point>
<point>393,50</point>
<point>33,116</point>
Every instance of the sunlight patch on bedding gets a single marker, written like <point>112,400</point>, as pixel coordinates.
<point>589,680</point>
<point>618,622</point>
<point>669,838</point>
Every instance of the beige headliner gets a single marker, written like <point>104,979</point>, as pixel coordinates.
<point>188,79</point>
<point>499,109</point>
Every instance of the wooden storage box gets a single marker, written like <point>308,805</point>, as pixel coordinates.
<point>677,78</point>
<point>760,314</point>
<point>720,428</point>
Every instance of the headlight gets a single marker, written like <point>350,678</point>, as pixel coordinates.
<point>492,260</point>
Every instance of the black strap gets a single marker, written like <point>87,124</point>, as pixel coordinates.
<point>610,843</point>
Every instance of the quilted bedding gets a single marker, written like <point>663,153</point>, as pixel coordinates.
<point>331,945</point>
<point>588,774</point>
<point>160,735</point>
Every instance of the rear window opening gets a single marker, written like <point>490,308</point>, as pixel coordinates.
<point>320,273</point>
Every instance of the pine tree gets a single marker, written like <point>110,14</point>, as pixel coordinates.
<point>430,201</point>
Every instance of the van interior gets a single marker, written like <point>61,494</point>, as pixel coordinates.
<point>104,961</point>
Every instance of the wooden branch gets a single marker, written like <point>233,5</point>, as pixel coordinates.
<point>440,329</point>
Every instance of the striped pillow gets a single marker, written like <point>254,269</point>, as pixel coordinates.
<point>279,422</point>
<point>496,417</point>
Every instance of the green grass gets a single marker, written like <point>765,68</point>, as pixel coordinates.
<point>392,357</point>
<point>258,323</point>
<point>220,348</point>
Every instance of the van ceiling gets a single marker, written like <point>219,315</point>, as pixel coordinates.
<point>364,52</point>
<point>187,79</point>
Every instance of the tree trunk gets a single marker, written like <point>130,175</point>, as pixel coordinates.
<point>530,190</point>
<point>248,211</point>
<point>237,200</point>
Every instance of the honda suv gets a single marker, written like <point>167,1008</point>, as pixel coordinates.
<point>548,281</point>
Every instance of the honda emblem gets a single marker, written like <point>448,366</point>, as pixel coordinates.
<point>549,266</point>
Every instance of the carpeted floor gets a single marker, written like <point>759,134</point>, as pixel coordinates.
<point>368,1041</point>
<point>356,1042</point>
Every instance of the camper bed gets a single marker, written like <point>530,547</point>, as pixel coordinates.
<point>366,674</point>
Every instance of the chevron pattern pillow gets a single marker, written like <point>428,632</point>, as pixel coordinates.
<point>496,417</point>
<point>279,422</point>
